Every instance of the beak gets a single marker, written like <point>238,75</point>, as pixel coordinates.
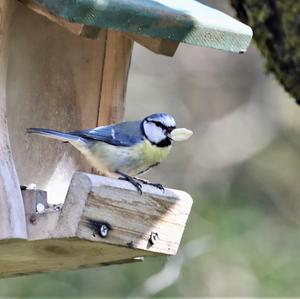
<point>180,134</point>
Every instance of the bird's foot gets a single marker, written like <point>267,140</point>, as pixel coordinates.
<point>158,186</point>
<point>133,181</point>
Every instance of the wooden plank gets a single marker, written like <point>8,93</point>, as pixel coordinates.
<point>156,45</point>
<point>152,222</point>
<point>75,28</point>
<point>12,216</point>
<point>29,257</point>
<point>114,78</point>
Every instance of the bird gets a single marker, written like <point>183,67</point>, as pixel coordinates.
<point>127,149</point>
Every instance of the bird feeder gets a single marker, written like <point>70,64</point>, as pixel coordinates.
<point>64,65</point>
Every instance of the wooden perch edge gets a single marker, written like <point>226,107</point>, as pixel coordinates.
<point>103,221</point>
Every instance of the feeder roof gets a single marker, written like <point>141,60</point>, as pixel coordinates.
<point>186,21</point>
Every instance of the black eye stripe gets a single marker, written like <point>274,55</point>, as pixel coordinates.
<point>161,125</point>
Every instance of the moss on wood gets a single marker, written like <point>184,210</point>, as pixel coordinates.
<point>276,26</point>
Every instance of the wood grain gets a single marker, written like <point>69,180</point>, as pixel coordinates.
<point>12,216</point>
<point>131,218</point>
<point>28,257</point>
<point>114,77</point>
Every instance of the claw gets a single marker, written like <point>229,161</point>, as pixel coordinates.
<point>131,180</point>
<point>135,182</point>
<point>158,186</point>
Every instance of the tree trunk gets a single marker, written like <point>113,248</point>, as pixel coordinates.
<point>276,27</point>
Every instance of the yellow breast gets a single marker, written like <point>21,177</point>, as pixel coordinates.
<point>130,160</point>
<point>153,154</point>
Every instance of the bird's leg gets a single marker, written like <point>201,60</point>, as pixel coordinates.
<point>131,180</point>
<point>158,186</point>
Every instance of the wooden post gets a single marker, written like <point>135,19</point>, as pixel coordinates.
<point>12,215</point>
<point>114,78</point>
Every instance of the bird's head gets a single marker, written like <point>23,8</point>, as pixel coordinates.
<point>160,129</point>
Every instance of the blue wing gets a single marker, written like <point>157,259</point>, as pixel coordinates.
<point>123,134</point>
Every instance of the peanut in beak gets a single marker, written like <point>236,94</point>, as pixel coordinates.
<point>181,134</point>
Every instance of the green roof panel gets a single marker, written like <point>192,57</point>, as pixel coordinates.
<point>186,21</point>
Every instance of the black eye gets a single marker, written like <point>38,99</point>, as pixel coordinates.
<point>159,124</point>
<point>163,126</point>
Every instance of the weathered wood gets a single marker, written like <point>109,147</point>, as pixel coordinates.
<point>132,220</point>
<point>12,216</point>
<point>75,28</point>
<point>35,204</point>
<point>40,226</point>
<point>28,257</point>
<point>70,238</point>
<point>53,82</point>
<point>114,78</point>
<point>156,45</point>
<point>34,200</point>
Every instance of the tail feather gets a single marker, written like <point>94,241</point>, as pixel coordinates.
<point>53,134</point>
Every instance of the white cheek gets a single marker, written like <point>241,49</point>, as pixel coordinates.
<point>154,133</point>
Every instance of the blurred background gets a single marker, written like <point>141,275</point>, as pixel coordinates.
<point>242,168</point>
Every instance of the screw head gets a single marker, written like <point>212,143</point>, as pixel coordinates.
<point>103,230</point>
<point>153,238</point>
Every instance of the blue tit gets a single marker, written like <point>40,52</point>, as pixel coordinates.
<point>126,149</point>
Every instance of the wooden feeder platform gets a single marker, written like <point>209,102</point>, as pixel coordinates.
<point>64,65</point>
<point>103,221</point>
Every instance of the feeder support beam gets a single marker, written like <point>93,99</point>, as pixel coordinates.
<point>12,215</point>
<point>157,45</point>
<point>116,65</point>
